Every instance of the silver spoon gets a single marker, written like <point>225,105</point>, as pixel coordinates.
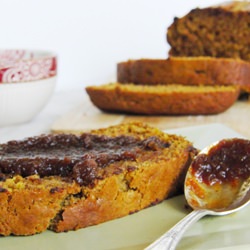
<point>217,183</point>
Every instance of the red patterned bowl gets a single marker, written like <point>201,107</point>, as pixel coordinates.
<point>26,65</point>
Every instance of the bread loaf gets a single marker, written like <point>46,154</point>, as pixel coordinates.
<point>163,99</point>
<point>65,182</point>
<point>187,71</point>
<point>217,31</point>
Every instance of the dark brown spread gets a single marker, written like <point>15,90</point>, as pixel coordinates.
<point>227,161</point>
<point>82,158</point>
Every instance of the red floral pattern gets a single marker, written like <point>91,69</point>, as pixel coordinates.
<point>21,65</point>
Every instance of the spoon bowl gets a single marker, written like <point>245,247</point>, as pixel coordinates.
<point>217,183</point>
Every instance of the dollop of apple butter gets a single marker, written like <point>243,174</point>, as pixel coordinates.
<point>226,162</point>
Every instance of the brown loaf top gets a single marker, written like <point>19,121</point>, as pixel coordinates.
<point>186,70</point>
<point>126,167</point>
<point>217,31</point>
<point>163,99</point>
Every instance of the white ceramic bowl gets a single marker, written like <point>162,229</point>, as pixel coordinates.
<point>20,102</point>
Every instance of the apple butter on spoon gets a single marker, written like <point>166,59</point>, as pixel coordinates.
<point>217,183</point>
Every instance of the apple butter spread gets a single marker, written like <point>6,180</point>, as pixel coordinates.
<point>226,162</point>
<point>82,158</point>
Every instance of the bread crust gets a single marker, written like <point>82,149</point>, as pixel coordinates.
<point>32,204</point>
<point>163,99</point>
<point>186,71</point>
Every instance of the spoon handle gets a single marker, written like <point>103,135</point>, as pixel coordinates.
<point>170,239</point>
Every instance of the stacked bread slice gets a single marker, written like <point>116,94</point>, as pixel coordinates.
<point>186,71</point>
<point>163,99</point>
<point>180,84</point>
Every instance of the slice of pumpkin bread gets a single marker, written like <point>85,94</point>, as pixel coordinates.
<point>65,182</point>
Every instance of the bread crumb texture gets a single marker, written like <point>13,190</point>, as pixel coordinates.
<point>217,31</point>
